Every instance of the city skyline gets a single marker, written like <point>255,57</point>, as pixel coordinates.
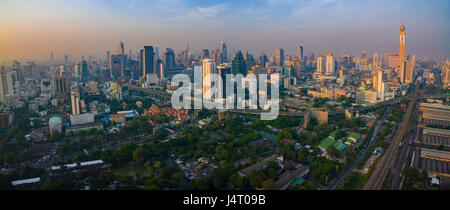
<point>33,30</point>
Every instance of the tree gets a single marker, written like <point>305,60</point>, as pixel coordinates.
<point>333,152</point>
<point>138,155</point>
<point>237,180</point>
<point>256,178</point>
<point>340,134</point>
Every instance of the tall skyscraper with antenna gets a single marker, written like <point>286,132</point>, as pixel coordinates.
<point>402,45</point>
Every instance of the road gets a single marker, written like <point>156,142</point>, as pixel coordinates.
<point>387,161</point>
<point>336,182</point>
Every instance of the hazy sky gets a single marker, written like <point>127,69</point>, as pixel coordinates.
<point>31,29</point>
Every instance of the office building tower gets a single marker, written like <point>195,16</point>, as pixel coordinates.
<point>296,65</point>
<point>238,65</point>
<point>248,61</point>
<point>208,68</point>
<point>375,62</point>
<point>279,57</point>
<point>329,68</point>
<point>319,64</point>
<point>446,74</point>
<point>169,59</point>
<point>84,70</point>
<point>66,59</point>
<point>402,45</point>
<point>120,49</point>
<point>16,67</point>
<point>61,86</point>
<point>205,54</point>
<point>148,61</point>
<point>263,60</point>
<point>6,84</point>
<point>406,72</point>
<point>347,62</point>
<point>224,52</point>
<point>141,63</point>
<point>108,56</point>
<point>394,61</point>
<point>160,68</point>
<point>217,57</point>
<point>300,52</point>
<point>409,72</point>
<point>75,102</point>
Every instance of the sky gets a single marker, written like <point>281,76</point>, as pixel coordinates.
<point>31,29</point>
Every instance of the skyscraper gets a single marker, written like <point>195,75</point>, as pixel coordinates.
<point>402,46</point>
<point>238,65</point>
<point>279,57</point>
<point>224,52</point>
<point>329,68</point>
<point>75,102</point>
<point>148,61</point>
<point>405,72</point>
<point>375,61</point>
<point>446,74</point>
<point>169,59</point>
<point>84,70</point>
<point>300,52</point>
<point>66,59</point>
<point>6,84</point>
<point>205,54</point>
<point>61,86</point>
<point>120,49</point>
<point>263,60</point>
<point>319,64</point>
<point>217,57</point>
<point>208,68</point>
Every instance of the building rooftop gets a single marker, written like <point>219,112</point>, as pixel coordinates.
<point>55,121</point>
<point>325,143</point>
<point>285,179</point>
<point>26,181</point>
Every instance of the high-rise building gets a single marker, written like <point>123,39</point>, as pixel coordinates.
<point>205,54</point>
<point>217,57</point>
<point>84,70</point>
<point>169,59</point>
<point>66,59</point>
<point>224,52</point>
<point>375,62</point>
<point>238,65</point>
<point>160,68</point>
<point>120,49</point>
<point>329,68</point>
<point>300,52</point>
<point>148,61</point>
<point>347,61</point>
<point>279,57</point>
<point>75,102</point>
<point>263,60</point>
<point>6,84</point>
<point>406,72</point>
<point>208,68</point>
<point>409,72</point>
<point>61,86</point>
<point>319,64</point>
<point>402,45</point>
<point>394,61</point>
<point>446,74</point>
